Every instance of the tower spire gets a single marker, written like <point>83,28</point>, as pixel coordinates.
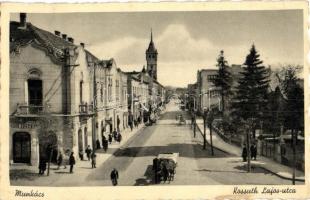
<point>151,35</point>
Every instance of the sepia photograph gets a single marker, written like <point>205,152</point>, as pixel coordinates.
<point>157,98</point>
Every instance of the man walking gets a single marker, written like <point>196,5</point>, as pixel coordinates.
<point>71,162</point>
<point>42,166</point>
<point>253,151</point>
<point>118,122</point>
<point>244,153</point>
<point>88,152</point>
<point>93,160</point>
<point>114,176</point>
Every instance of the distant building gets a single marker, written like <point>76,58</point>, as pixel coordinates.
<point>208,94</point>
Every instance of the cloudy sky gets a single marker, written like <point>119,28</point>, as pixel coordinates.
<point>186,41</point>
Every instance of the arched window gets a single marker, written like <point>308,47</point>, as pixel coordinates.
<point>34,91</point>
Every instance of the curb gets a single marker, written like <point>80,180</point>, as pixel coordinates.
<point>284,177</point>
<point>257,165</point>
<point>213,145</point>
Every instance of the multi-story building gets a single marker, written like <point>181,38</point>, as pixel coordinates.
<point>46,71</point>
<point>62,97</point>
<point>138,92</point>
<point>208,95</point>
<point>191,97</point>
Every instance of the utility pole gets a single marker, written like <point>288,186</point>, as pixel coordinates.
<point>294,137</point>
<point>194,124</point>
<point>204,129</point>
<point>94,111</point>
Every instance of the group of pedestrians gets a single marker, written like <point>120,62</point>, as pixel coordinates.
<point>116,135</point>
<point>60,161</point>
<point>253,152</point>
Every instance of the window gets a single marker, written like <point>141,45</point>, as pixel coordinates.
<point>35,96</point>
<point>211,78</point>
<point>81,92</point>
<point>101,92</point>
<point>117,90</point>
<point>110,89</point>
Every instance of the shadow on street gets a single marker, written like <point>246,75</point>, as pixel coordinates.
<point>181,148</point>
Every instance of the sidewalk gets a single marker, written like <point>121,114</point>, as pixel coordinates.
<point>28,175</point>
<point>263,162</point>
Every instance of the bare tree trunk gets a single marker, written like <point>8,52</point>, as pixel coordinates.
<point>212,152</point>
<point>294,156</point>
<point>248,151</point>
<point>204,133</point>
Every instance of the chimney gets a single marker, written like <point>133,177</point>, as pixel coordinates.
<point>22,17</point>
<point>82,44</point>
<point>70,39</point>
<point>64,36</point>
<point>57,33</point>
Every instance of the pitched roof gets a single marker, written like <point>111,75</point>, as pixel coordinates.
<point>21,36</point>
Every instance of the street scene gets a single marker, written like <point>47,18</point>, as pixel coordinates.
<point>169,102</point>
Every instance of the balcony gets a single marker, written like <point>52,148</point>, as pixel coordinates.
<point>25,109</point>
<point>85,109</point>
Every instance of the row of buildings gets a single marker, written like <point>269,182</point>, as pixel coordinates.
<point>62,97</point>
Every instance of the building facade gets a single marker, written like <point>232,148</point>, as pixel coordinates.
<point>208,95</point>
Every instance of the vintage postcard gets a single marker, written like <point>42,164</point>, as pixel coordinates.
<point>154,101</point>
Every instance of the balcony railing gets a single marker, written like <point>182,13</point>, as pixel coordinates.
<point>85,108</point>
<point>24,109</point>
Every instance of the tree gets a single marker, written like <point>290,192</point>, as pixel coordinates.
<point>294,104</point>
<point>223,80</point>
<point>209,121</point>
<point>251,95</point>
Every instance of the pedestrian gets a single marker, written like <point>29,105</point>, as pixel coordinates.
<point>81,155</point>
<point>115,135</point>
<point>59,159</point>
<point>42,166</point>
<point>118,122</point>
<point>71,162</point>
<point>98,144</point>
<point>165,173</point>
<point>114,176</point>
<point>119,137</point>
<point>110,138</point>
<point>244,153</point>
<point>105,145</point>
<point>103,139</point>
<point>93,160</point>
<point>88,152</point>
<point>139,119</point>
<point>253,151</point>
<point>131,126</point>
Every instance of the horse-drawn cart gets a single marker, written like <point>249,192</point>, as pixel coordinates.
<point>164,166</point>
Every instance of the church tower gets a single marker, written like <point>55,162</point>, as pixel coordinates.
<point>151,59</point>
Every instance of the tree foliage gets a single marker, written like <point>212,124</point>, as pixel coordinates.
<point>223,79</point>
<point>292,89</point>
<point>251,96</point>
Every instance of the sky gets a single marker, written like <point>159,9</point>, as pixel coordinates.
<point>186,41</point>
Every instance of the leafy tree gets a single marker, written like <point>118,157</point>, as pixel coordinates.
<point>273,116</point>
<point>251,95</point>
<point>223,80</point>
<point>294,114</point>
<point>294,97</point>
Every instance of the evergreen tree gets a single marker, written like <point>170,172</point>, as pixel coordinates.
<point>223,80</point>
<point>251,96</point>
